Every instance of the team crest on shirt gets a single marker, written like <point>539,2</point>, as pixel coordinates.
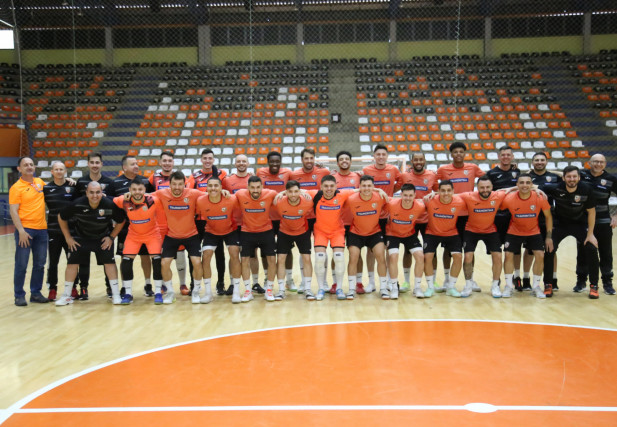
<point>314,176</point>
<point>335,201</point>
<point>411,216</point>
<point>532,207</point>
<point>67,189</point>
<point>281,176</point>
<point>603,182</point>
<point>388,175</point>
<point>374,205</point>
<point>352,181</point>
<point>101,212</point>
<point>300,212</point>
<point>466,172</point>
<point>223,209</point>
<point>514,174</point>
<point>262,204</point>
<point>577,199</point>
<point>453,210</point>
<point>548,179</point>
<point>492,203</point>
<point>186,200</point>
<point>144,208</point>
<point>425,181</point>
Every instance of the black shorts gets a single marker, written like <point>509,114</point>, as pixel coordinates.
<point>201,228</point>
<point>542,233</point>
<point>347,228</point>
<point>491,241</point>
<point>382,225</point>
<point>421,228</point>
<point>361,241</point>
<point>461,222</point>
<point>410,243</point>
<point>502,222</point>
<point>82,254</point>
<point>191,244</point>
<point>311,223</point>
<point>284,243</point>
<point>450,243</point>
<point>214,240</point>
<point>251,241</point>
<point>532,243</point>
<point>276,224</point>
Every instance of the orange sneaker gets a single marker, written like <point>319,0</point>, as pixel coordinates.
<point>548,290</point>
<point>593,292</point>
<point>184,290</point>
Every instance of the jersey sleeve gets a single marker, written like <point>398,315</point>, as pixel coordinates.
<point>118,214</point>
<point>119,201</point>
<point>190,182</point>
<point>439,175</point>
<point>478,172</point>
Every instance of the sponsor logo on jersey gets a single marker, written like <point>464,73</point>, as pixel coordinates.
<point>216,217</point>
<point>275,182</point>
<point>525,215</point>
<point>292,217</point>
<point>329,208</point>
<point>178,208</point>
<point>443,216</point>
<point>255,210</point>
<point>457,180</point>
<point>366,213</point>
<point>382,182</point>
<point>308,184</point>
<point>140,221</point>
<point>486,210</point>
<point>418,188</point>
<point>401,222</point>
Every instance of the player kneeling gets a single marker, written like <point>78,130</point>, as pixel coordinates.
<point>404,213</point>
<point>146,216</point>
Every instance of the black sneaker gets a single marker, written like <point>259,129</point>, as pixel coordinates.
<point>230,290</point>
<point>257,288</point>
<point>220,288</point>
<point>83,294</point>
<point>38,298</point>
<point>608,289</point>
<point>526,284</point>
<point>555,287</point>
<point>148,291</point>
<point>108,290</point>
<point>579,287</point>
<point>517,284</point>
<point>21,302</point>
<point>122,291</point>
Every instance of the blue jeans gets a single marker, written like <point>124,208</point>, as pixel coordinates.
<point>38,246</point>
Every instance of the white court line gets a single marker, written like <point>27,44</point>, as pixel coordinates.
<point>16,407</point>
<point>481,407</point>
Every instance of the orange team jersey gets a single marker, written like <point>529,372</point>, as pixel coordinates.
<point>525,213</point>
<point>256,213</point>
<point>385,178</point>
<point>402,222</point>
<point>482,212</point>
<point>293,218</point>
<point>274,182</point>
<point>366,213</point>
<point>199,179</point>
<point>424,182</point>
<point>309,180</point>
<point>347,182</point>
<point>180,212</point>
<point>144,218</point>
<point>233,182</point>
<point>159,181</point>
<point>219,216</point>
<point>31,203</point>
<point>329,212</point>
<point>462,178</point>
<point>442,217</point>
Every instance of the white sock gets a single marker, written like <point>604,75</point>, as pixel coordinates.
<point>446,273</point>
<point>496,282</point>
<point>469,283</point>
<point>392,284</point>
<point>307,283</point>
<point>536,280</point>
<point>325,271</point>
<point>148,282</point>
<point>320,268</point>
<point>452,282</point>
<point>371,278</point>
<point>207,285</point>
<point>289,275</point>
<point>181,267</point>
<point>281,283</point>
<point>236,285</point>
<point>68,288</point>
<point>517,273</point>
<point>255,278</point>
<point>158,284</point>
<point>417,282</point>
<point>270,284</point>
<point>525,274</point>
<point>352,284</point>
<point>301,267</point>
<point>169,285</point>
<point>407,274</point>
<point>430,280</point>
<point>554,274</point>
<point>472,277</point>
<point>128,286</point>
<point>509,280</point>
<point>113,284</point>
<point>359,278</point>
<point>339,266</point>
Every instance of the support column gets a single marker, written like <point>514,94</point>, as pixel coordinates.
<point>587,33</point>
<point>109,48</point>
<point>488,37</point>
<point>392,42</point>
<point>204,45</point>
<point>299,43</point>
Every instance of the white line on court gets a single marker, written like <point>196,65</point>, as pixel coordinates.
<point>481,408</point>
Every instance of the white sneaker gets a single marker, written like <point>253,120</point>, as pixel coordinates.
<point>507,291</point>
<point>195,296</point>
<point>369,288</point>
<point>438,289</point>
<point>206,299</point>
<point>475,287</point>
<point>269,296</point>
<point>280,296</point>
<point>309,295</point>
<point>418,293</point>
<point>394,292</point>
<point>235,298</point>
<point>301,288</point>
<point>169,298</point>
<point>116,299</point>
<point>453,292</point>
<point>496,291</point>
<point>64,300</point>
<point>467,290</point>
<point>538,292</point>
<point>248,296</point>
<point>385,294</point>
<point>291,286</point>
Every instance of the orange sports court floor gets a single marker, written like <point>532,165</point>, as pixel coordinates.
<point>441,361</point>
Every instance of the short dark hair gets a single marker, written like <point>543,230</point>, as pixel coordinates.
<point>206,151</point>
<point>539,153</point>
<point>446,182</point>
<point>138,180</point>
<point>273,154</point>
<point>380,147</point>
<point>307,150</point>
<point>524,175</point>
<point>95,154</point>
<point>126,157</point>
<point>571,168</point>
<point>407,187</point>
<point>166,153</point>
<point>484,178</point>
<point>178,176</point>
<point>456,145</point>
<point>328,178</point>
<point>367,178</point>
<point>343,153</point>
<point>215,178</point>
<point>292,183</point>
<point>21,158</point>
<point>254,178</point>
<point>504,148</point>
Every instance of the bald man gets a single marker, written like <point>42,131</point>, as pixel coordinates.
<point>92,219</point>
<point>603,184</point>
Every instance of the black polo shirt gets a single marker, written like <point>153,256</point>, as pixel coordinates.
<point>57,197</point>
<point>92,223</point>
<point>602,186</point>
